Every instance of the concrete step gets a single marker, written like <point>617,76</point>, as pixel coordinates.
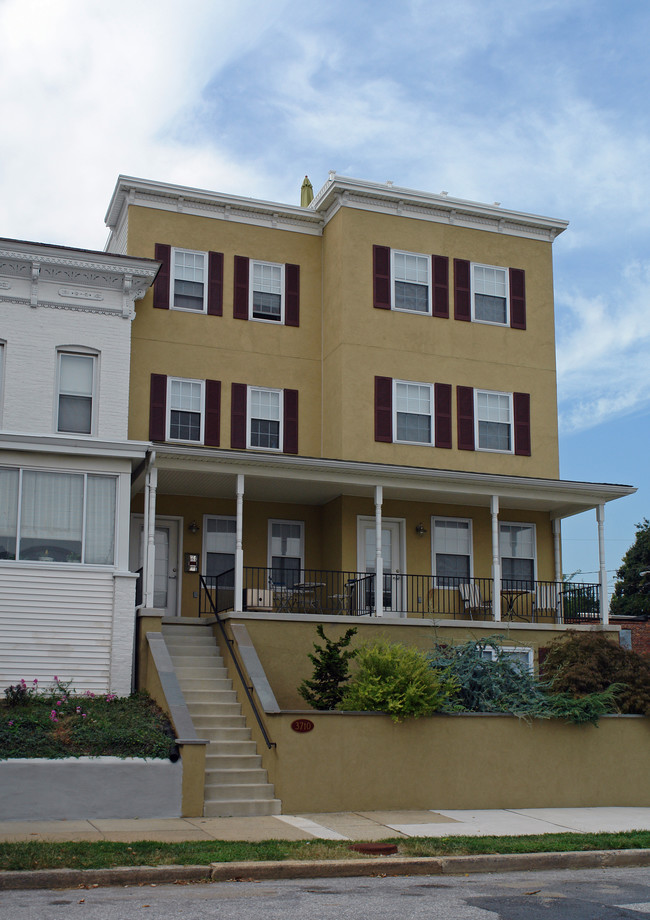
<point>191,667</point>
<point>232,761</point>
<point>205,684</point>
<point>246,808</point>
<point>226,749</point>
<point>224,734</point>
<point>213,719</point>
<point>238,791</point>
<point>209,695</point>
<point>208,657</point>
<point>235,777</point>
<point>189,646</point>
<point>215,709</point>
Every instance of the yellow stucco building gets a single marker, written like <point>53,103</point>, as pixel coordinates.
<point>363,383</point>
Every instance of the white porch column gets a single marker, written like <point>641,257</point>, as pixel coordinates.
<point>496,560</point>
<point>379,562</point>
<point>604,606</point>
<point>239,546</point>
<point>149,560</point>
<point>556,525</point>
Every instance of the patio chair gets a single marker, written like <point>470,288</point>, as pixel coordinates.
<point>472,599</point>
<point>545,600</point>
<point>283,597</point>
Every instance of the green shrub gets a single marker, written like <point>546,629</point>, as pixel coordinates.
<point>396,679</point>
<point>331,670</point>
<point>588,662</point>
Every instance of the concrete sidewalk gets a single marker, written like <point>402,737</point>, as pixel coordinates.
<point>367,825</point>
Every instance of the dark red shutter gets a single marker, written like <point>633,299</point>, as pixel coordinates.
<point>442,398</point>
<point>215,283</point>
<point>240,298</point>
<point>163,253</point>
<point>517,298</point>
<point>238,415</point>
<point>212,413</point>
<point>521,404</point>
<point>383,409</point>
<point>158,407</point>
<point>465,409</point>
<point>381,277</point>
<point>440,272</point>
<point>290,445</point>
<point>291,295</point>
<point>462,296</point>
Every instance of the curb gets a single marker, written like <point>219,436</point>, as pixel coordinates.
<point>325,868</point>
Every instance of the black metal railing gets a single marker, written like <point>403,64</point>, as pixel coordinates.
<point>321,591</point>
<point>230,644</point>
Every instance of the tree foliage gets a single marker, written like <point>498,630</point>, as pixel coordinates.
<point>331,670</point>
<point>396,679</point>
<point>499,683</point>
<point>588,662</point>
<point>632,591</point>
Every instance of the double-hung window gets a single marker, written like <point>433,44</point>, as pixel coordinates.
<point>413,412</point>
<point>490,295</point>
<point>219,541</point>
<point>265,411</point>
<point>517,550</point>
<point>53,516</point>
<point>411,282</point>
<point>452,551</point>
<point>266,291</point>
<point>185,401</point>
<point>76,384</point>
<point>188,281</point>
<point>493,412</point>
<point>286,552</point>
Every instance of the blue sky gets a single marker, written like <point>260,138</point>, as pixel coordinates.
<point>540,105</point>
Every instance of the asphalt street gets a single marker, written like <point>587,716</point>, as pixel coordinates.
<point>587,894</point>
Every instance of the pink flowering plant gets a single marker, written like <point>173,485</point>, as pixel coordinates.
<point>56,721</point>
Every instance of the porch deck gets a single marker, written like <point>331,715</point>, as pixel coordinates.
<point>324,592</point>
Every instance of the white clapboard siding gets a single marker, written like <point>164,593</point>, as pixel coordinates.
<point>56,622</point>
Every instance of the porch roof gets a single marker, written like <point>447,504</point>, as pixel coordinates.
<point>212,473</point>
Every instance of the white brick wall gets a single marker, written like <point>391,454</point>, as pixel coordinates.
<point>31,336</point>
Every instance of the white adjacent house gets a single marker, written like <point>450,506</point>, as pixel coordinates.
<point>67,597</point>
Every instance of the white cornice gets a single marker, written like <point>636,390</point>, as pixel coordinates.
<point>338,192</point>
<point>77,446</point>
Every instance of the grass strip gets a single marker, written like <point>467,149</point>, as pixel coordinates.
<point>105,854</point>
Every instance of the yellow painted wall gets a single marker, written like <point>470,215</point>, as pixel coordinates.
<point>198,346</point>
<point>361,342</point>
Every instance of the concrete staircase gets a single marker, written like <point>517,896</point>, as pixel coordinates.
<point>235,783</point>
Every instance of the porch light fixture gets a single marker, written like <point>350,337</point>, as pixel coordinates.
<point>420,529</point>
<point>193,527</point>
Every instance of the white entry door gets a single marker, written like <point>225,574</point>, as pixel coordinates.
<point>165,579</point>
<point>391,552</point>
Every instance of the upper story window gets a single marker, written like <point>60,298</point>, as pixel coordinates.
<point>413,407</point>
<point>494,421</point>
<point>185,421</point>
<point>517,549</point>
<point>266,291</point>
<point>188,281</point>
<point>76,385</point>
<point>452,550</point>
<point>490,295</point>
<point>411,290</point>
<point>55,516</point>
<point>264,418</point>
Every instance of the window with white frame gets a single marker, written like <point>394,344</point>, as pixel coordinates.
<point>188,281</point>
<point>265,418</point>
<point>185,416</point>
<point>286,552</point>
<point>53,516</point>
<point>494,421</point>
<point>76,385</point>
<point>413,412</point>
<point>266,291</point>
<point>519,657</point>
<point>219,542</point>
<point>517,550</point>
<point>411,286</point>
<point>452,551</point>
<point>490,301</point>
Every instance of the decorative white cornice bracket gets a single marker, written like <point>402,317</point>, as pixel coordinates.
<point>36,270</point>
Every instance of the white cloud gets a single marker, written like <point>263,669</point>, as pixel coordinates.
<point>603,349</point>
